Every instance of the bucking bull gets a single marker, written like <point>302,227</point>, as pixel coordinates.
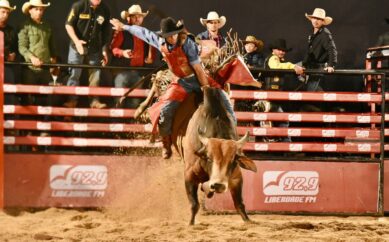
<point>213,155</point>
<point>205,136</point>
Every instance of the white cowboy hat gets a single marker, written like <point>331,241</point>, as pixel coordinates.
<point>133,10</point>
<point>213,16</point>
<point>5,4</point>
<point>321,14</point>
<point>33,3</point>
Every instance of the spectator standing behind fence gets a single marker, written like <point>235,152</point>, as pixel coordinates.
<point>129,50</point>
<point>213,23</point>
<point>253,56</point>
<point>322,52</point>
<point>10,46</point>
<point>89,30</point>
<point>36,45</point>
<point>274,83</point>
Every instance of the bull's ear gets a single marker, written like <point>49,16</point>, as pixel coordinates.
<point>246,163</point>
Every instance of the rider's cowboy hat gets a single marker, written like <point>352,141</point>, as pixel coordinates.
<point>33,3</point>
<point>320,14</point>
<point>213,16</point>
<point>169,27</point>
<point>279,44</point>
<point>255,41</point>
<point>133,10</point>
<point>5,4</point>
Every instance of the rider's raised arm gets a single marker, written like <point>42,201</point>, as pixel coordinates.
<point>146,35</point>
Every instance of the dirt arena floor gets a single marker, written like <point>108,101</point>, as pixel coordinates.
<point>157,210</point>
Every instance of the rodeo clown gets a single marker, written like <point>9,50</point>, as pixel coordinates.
<point>182,56</point>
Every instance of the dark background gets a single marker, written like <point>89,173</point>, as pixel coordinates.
<point>356,26</point>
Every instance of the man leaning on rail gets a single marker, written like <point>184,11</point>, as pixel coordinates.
<point>36,45</point>
<point>322,52</point>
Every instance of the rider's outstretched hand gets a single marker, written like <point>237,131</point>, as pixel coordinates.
<point>116,24</point>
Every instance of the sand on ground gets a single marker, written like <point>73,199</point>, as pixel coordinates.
<point>156,209</point>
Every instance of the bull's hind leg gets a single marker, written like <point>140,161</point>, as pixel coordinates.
<point>191,192</point>
<point>236,193</point>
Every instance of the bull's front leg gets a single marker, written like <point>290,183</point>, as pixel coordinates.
<point>236,193</point>
<point>191,192</point>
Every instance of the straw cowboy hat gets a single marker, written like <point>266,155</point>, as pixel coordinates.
<point>321,14</point>
<point>169,27</point>
<point>279,44</point>
<point>33,3</point>
<point>213,16</point>
<point>252,39</point>
<point>133,10</point>
<point>5,4</point>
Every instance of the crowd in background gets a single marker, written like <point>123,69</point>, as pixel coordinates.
<point>93,42</point>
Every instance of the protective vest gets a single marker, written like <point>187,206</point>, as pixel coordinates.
<point>139,50</point>
<point>177,61</point>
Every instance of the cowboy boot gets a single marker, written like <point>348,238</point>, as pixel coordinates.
<point>166,147</point>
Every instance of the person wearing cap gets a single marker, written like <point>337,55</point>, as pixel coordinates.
<point>213,23</point>
<point>36,45</point>
<point>253,48</point>
<point>10,45</point>
<point>322,53</point>
<point>88,27</point>
<point>276,60</point>
<point>383,39</point>
<point>129,50</point>
<point>181,53</point>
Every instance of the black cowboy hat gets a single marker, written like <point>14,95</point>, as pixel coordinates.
<point>279,44</point>
<point>169,27</point>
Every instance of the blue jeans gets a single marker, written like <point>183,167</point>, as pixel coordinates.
<point>313,83</point>
<point>168,111</point>
<point>278,109</point>
<point>75,73</point>
<point>126,79</point>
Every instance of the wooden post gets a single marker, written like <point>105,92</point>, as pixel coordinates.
<point>1,120</point>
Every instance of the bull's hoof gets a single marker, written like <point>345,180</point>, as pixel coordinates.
<point>166,153</point>
<point>139,111</point>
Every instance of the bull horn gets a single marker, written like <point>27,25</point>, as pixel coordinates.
<point>202,138</point>
<point>240,143</point>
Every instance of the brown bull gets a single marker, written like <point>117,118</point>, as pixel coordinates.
<point>211,152</point>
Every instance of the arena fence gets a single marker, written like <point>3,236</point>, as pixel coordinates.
<point>334,164</point>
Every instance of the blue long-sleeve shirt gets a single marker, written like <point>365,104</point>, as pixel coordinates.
<point>189,47</point>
